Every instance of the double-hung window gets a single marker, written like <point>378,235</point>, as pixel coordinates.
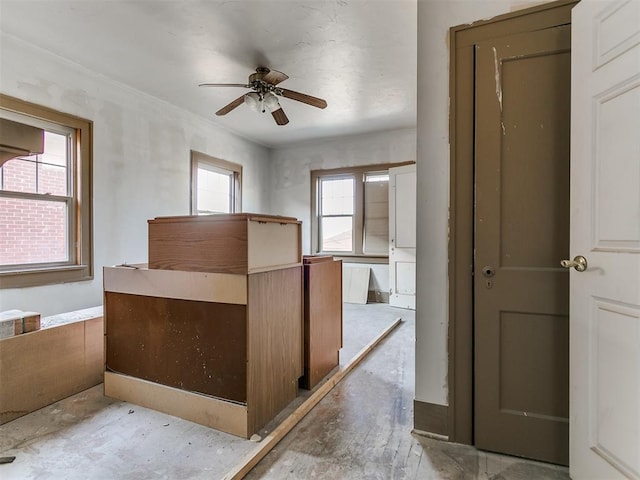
<point>336,211</point>
<point>215,185</point>
<point>350,212</point>
<point>45,200</point>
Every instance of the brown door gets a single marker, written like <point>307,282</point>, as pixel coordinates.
<point>521,235</point>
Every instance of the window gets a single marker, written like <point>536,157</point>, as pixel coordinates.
<point>350,212</point>
<point>45,200</point>
<point>336,213</point>
<point>215,185</point>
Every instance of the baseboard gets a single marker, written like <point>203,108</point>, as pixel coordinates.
<point>431,418</point>
<point>434,436</point>
<point>229,417</point>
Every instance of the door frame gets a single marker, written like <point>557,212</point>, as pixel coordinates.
<point>461,200</point>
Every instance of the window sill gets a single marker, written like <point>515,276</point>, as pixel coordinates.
<point>358,258</point>
<point>45,276</point>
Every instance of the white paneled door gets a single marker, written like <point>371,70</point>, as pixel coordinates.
<point>605,230</point>
<point>402,236</point>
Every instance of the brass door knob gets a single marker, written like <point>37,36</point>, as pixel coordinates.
<point>578,262</point>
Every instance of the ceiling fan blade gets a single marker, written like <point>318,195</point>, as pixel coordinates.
<point>304,98</point>
<point>227,108</point>
<point>274,77</point>
<point>224,85</point>
<point>280,117</point>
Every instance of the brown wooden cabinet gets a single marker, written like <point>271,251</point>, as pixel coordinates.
<point>322,317</point>
<point>240,243</point>
<point>213,333</point>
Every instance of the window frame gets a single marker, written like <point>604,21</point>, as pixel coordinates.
<point>217,164</point>
<point>353,215</point>
<point>79,267</point>
<point>357,255</point>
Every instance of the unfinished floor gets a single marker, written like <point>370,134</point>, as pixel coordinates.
<point>360,430</point>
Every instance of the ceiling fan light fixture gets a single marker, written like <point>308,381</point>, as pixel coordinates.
<point>271,102</point>
<point>253,101</point>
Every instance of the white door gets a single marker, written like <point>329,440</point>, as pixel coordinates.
<point>605,229</point>
<point>402,236</point>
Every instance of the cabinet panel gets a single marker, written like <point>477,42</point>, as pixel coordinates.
<point>322,318</point>
<point>238,243</point>
<point>193,346</point>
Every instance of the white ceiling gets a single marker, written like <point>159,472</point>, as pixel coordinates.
<point>359,55</point>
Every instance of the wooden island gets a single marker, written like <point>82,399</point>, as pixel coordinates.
<point>211,330</point>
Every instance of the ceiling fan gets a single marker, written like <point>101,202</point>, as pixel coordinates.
<point>264,96</point>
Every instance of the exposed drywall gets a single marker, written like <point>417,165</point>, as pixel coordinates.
<point>140,163</point>
<point>435,17</point>
<point>291,175</point>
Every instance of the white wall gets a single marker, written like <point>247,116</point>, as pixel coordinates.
<point>140,163</point>
<point>435,17</point>
<point>291,175</point>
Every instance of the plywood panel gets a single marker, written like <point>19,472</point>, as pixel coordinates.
<point>322,319</point>
<point>273,245</point>
<point>208,243</point>
<point>274,342</point>
<point>355,286</point>
<point>42,367</point>
<point>212,412</point>
<point>94,358</point>
<point>205,287</point>
<point>17,322</point>
<point>195,346</point>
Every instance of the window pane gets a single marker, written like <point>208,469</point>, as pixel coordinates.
<point>337,234</point>
<point>19,174</point>
<point>46,173</point>
<point>52,165</point>
<point>214,191</point>
<point>35,231</point>
<point>376,177</point>
<point>337,196</point>
<point>52,179</point>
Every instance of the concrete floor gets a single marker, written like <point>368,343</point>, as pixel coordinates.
<point>361,430</point>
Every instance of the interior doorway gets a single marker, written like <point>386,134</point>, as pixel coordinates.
<point>508,337</point>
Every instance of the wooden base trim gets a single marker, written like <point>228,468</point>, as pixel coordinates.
<point>209,411</point>
<point>271,440</point>
<point>431,418</point>
<point>198,286</point>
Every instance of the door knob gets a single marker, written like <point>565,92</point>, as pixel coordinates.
<point>578,262</point>
<point>488,271</point>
